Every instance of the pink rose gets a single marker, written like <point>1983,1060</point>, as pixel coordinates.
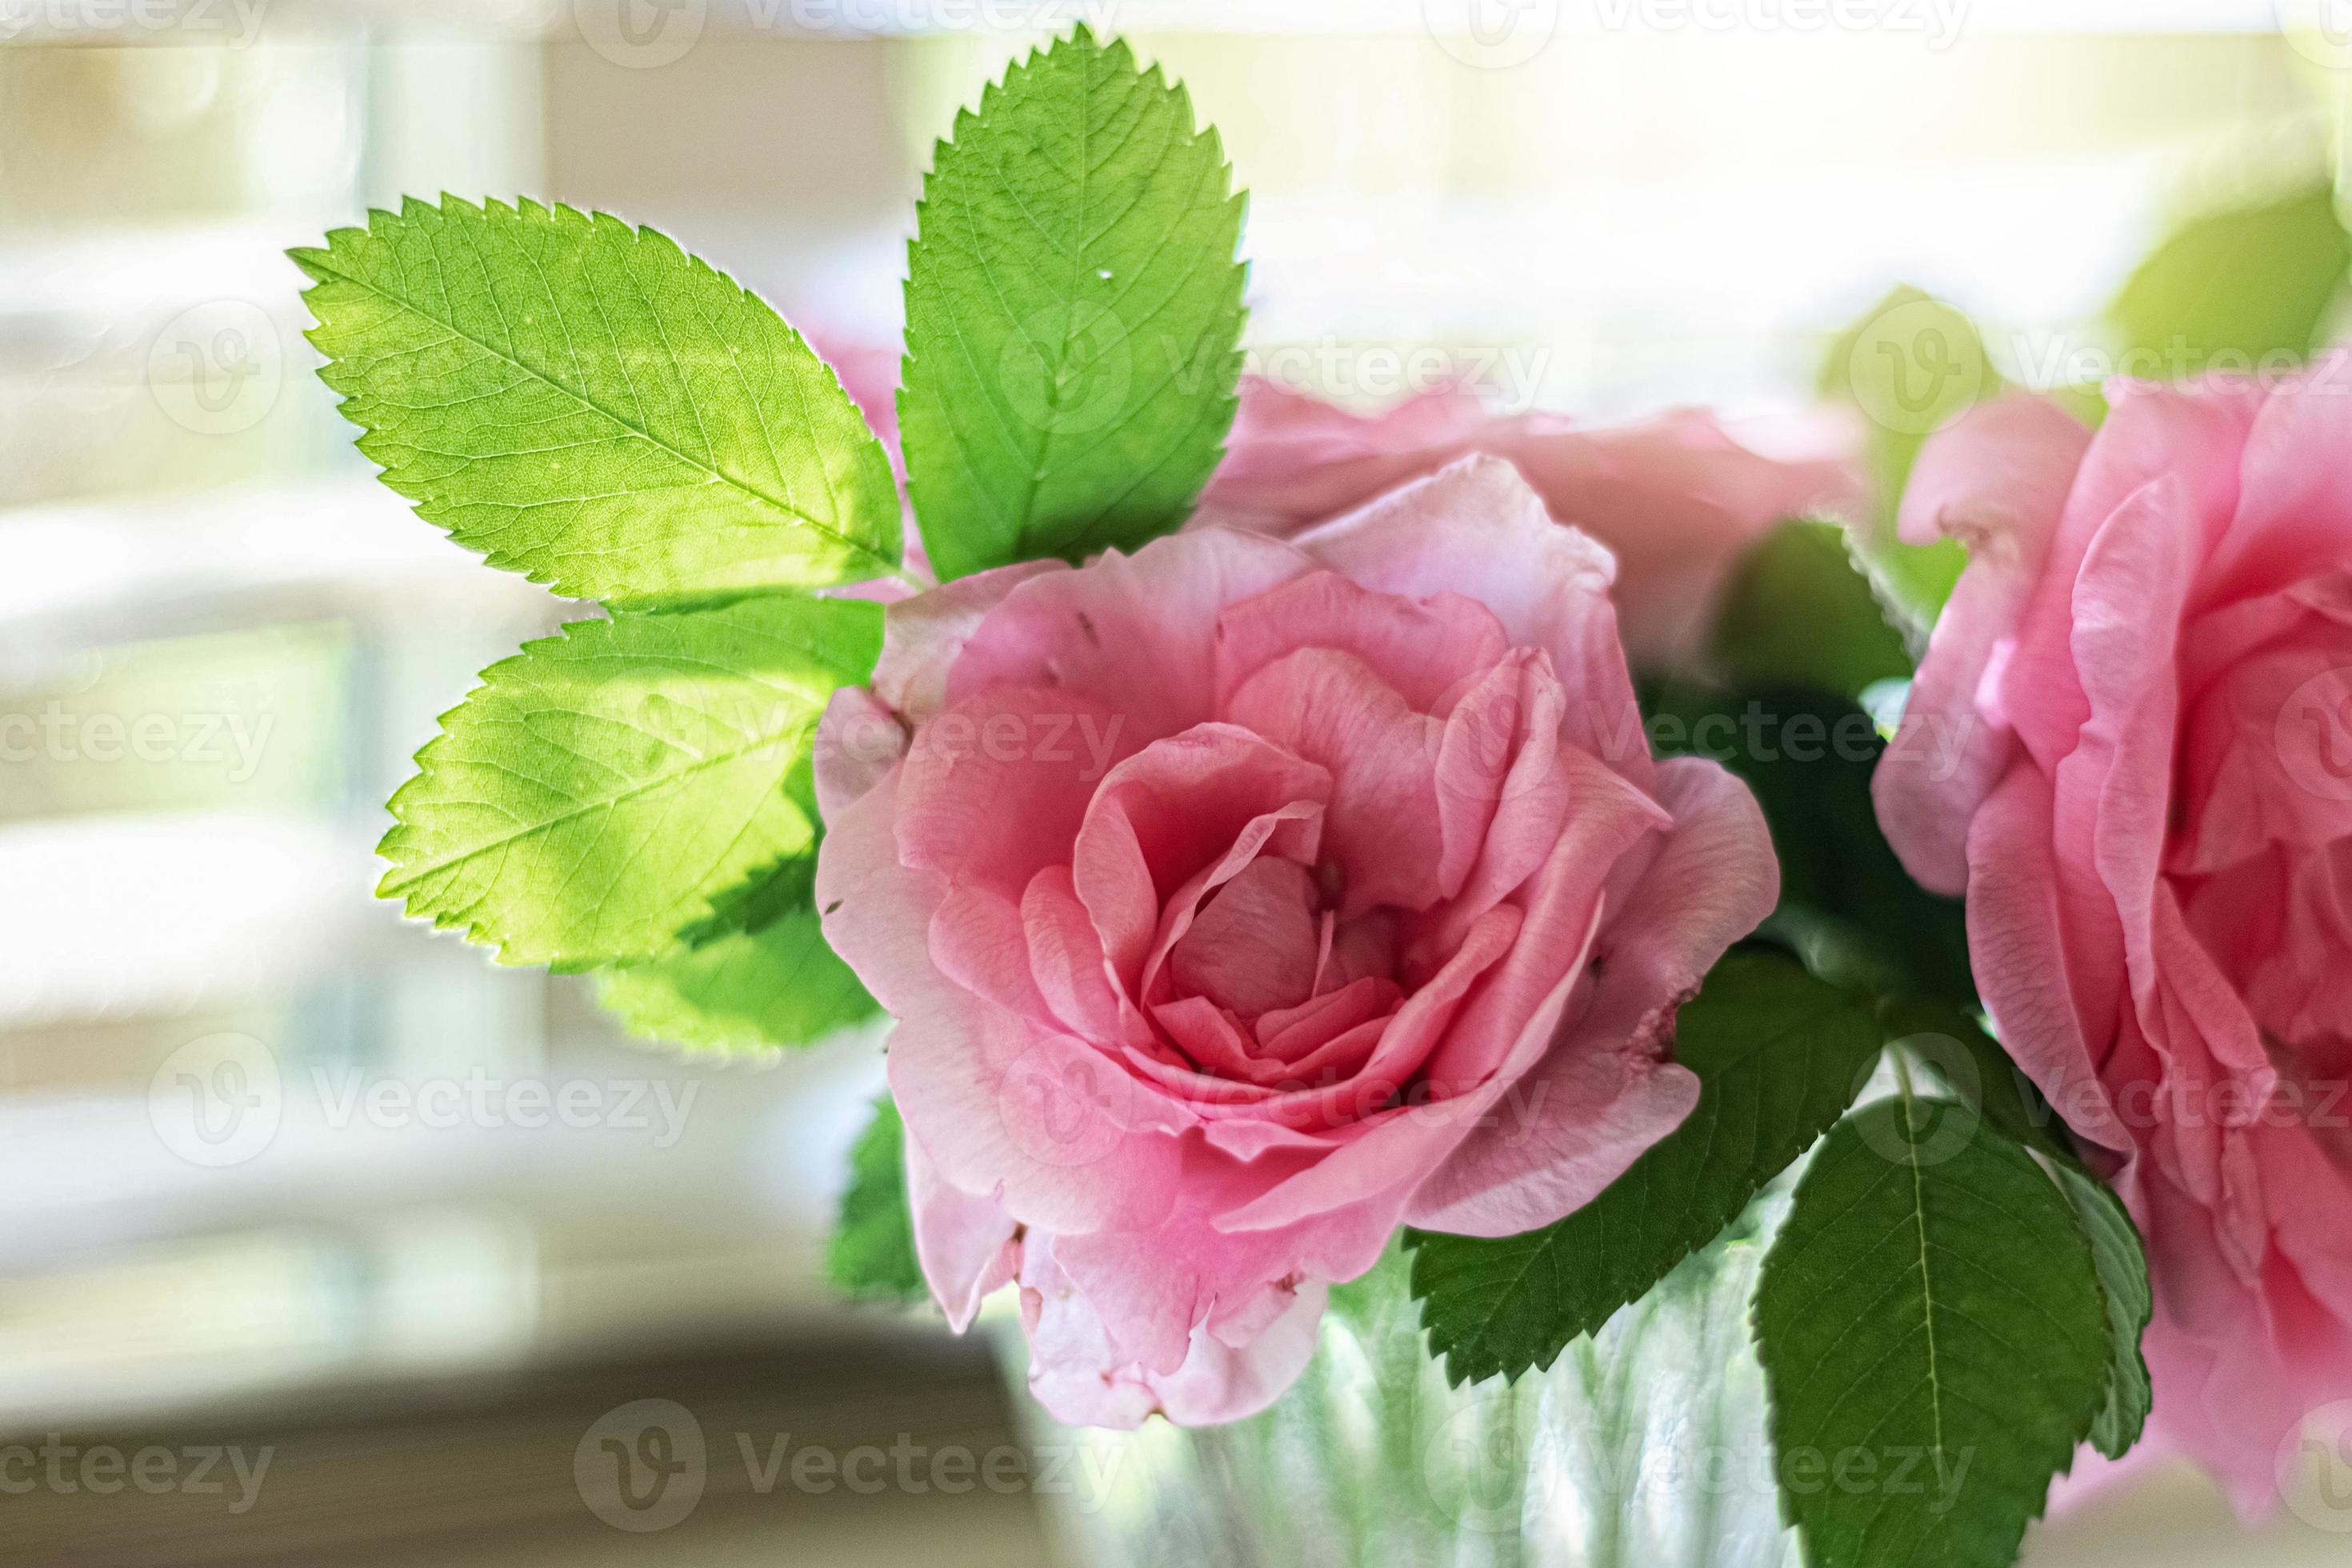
<point>2131,745</point>
<point>1677,499</point>
<point>1240,900</point>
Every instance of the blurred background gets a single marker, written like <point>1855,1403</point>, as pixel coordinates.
<point>286,1175</point>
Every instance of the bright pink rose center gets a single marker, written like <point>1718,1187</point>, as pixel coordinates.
<point>1308,843</point>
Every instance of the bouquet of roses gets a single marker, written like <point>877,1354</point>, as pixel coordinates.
<point>1260,874</point>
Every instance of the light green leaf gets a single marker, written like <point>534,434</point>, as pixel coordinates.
<point>2237,288</point>
<point>872,1257</point>
<point>591,797</point>
<point>781,887</point>
<point>1073,314</point>
<point>584,403</point>
<point>776,984</point>
<point>1934,1338</point>
<point>1912,364</point>
<point>1778,1055</point>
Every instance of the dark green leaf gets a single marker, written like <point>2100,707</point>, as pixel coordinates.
<point>1073,315</point>
<point>1778,1055</point>
<point>1948,1039</point>
<point>1846,903</point>
<point>1975,1067</point>
<point>1934,1338</point>
<point>2122,1264</point>
<point>1799,613</point>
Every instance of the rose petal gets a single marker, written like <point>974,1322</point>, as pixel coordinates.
<point>1474,528</point>
<point>1252,948</point>
<point>1154,1287</point>
<point>1136,633</point>
<point>1067,964</point>
<point>1289,834</point>
<point>1998,480</point>
<point>858,740</point>
<point>1384,824</point>
<point>2190,434</point>
<point>1396,1155</point>
<point>1072,1141</point>
<point>1600,1096</point>
<point>2025,962</point>
<point>1007,743</point>
<point>922,636</point>
<point>1426,650</point>
<point>965,1242</point>
<point>2294,495</point>
<point>1288,1034</point>
<point>1174,808</point>
<point>1075,1372</point>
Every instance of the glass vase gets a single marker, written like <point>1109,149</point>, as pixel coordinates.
<point>1642,1446</point>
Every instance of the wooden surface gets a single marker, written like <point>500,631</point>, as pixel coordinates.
<point>480,1473</point>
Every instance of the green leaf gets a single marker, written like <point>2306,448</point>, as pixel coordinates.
<point>591,797</point>
<point>1778,1055</point>
<point>770,893</point>
<point>1948,1039</point>
<point>872,1257</point>
<point>1846,903</point>
<point>779,888</point>
<point>1978,1071</point>
<point>1934,1338</point>
<point>2235,288</point>
<point>1912,364</point>
<point>1073,315</point>
<point>584,403</point>
<point>2122,1264</point>
<point>1799,611</point>
<point>778,985</point>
